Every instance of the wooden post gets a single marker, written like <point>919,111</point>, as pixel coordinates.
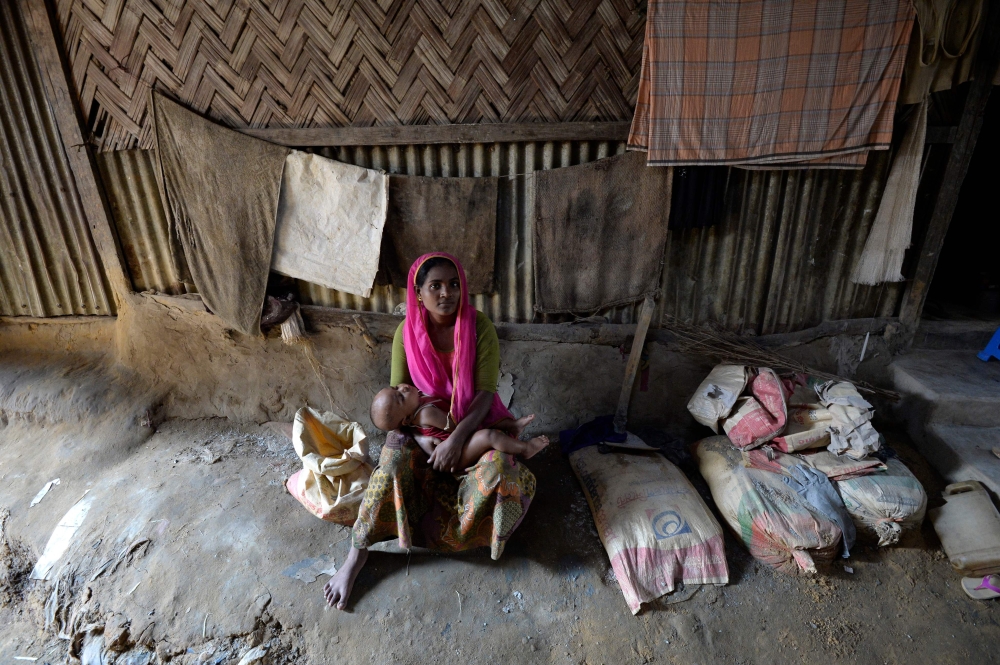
<point>955,170</point>
<point>57,89</point>
<point>632,368</point>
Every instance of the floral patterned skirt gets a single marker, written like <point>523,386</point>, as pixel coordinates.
<point>409,500</point>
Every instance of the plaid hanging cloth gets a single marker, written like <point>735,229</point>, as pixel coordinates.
<point>791,83</point>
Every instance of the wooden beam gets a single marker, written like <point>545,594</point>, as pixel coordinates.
<point>383,327</point>
<point>57,89</point>
<point>940,134</point>
<point>954,173</point>
<point>436,134</point>
<point>632,367</point>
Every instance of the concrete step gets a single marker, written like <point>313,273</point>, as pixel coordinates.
<point>948,387</point>
<point>969,335</point>
<point>963,453</point>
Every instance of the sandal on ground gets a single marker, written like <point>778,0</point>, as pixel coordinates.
<point>988,588</point>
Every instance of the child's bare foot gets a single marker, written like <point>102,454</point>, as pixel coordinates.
<point>533,445</point>
<point>518,427</point>
<point>338,589</point>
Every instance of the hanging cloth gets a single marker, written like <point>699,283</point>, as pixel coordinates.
<point>330,221</point>
<point>220,190</point>
<point>882,258</point>
<point>943,47</point>
<point>600,231</point>
<point>776,83</point>
<point>453,215</point>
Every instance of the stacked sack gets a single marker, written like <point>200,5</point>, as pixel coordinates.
<point>796,467</point>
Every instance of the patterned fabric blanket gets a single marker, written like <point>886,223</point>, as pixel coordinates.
<point>408,500</point>
<point>793,82</point>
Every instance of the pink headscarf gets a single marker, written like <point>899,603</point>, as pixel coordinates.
<point>427,370</point>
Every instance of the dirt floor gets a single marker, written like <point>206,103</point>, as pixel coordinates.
<point>193,552</point>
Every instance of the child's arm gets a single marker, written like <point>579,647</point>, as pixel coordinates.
<point>426,443</point>
<point>431,416</point>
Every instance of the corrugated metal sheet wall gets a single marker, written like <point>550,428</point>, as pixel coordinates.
<point>779,260</point>
<point>49,265</point>
<point>130,183</point>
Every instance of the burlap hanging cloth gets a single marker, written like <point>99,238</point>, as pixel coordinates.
<point>600,231</point>
<point>220,190</point>
<point>336,470</point>
<point>453,215</point>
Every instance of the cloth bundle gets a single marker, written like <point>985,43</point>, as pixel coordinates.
<point>748,404</point>
<point>886,503</point>
<point>336,469</point>
<point>851,431</point>
<point>754,407</point>
<point>778,526</point>
<point>655,528</point>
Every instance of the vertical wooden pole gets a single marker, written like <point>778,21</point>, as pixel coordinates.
<point>632,368</point>
<point>955,170</point>
<point>36,17</point>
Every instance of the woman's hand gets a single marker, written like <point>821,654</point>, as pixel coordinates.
<point>447,455</point>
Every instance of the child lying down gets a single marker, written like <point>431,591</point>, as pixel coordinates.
<point>405,406</point>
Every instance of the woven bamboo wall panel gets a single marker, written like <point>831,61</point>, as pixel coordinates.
<point>322,63</point>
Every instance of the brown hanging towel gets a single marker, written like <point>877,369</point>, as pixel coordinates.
<point>220,189</point>
<point>454,215</point>
<point>600,231</point>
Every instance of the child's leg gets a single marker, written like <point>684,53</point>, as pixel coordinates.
<point>513,427</point>
<point>490,439</point>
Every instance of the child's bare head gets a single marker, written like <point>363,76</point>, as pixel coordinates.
<point>392,406</point>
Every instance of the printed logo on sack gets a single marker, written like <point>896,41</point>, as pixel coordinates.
<point>668,524</point>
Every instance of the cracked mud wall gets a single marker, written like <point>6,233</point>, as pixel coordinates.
<point>185,363</point>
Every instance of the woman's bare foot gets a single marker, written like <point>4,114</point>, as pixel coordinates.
<point>518,427</point>
<point>338,589</point>
<point>532,446</point>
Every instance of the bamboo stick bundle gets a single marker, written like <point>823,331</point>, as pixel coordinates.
<point>729,348</point>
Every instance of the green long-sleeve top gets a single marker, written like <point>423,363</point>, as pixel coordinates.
<point>487,356</point>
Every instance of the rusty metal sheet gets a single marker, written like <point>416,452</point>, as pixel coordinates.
<point>49,265</point>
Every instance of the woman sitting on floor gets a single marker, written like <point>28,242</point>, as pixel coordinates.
<point>445,348</point>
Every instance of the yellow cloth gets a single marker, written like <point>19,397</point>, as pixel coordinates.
<point>335,461</point>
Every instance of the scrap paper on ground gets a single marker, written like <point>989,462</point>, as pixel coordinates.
<point>61,538</point>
